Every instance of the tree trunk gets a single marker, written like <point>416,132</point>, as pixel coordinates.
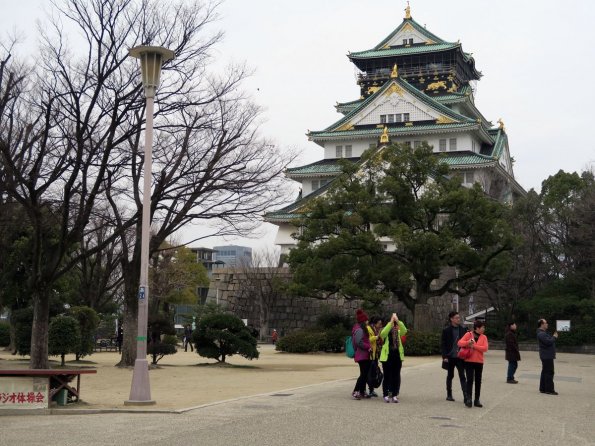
<point>421,318</point>
<point>63,356</point>
<point>39,332</point>
<point>263,319</point>
<point>12,347</point>
<point>130,330</point>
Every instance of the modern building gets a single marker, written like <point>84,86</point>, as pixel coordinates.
<point>413,87</point>
<point>234,256</point>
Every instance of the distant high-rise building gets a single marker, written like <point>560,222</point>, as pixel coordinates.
<point>233,255</point>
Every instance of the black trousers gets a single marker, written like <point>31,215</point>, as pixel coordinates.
<point>391,384</point>
<point>364,368</point>
<point>473,370</point>
<point>459,364</point>
<point>546,383</point>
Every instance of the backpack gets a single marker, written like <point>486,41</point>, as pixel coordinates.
<point>349,350</point>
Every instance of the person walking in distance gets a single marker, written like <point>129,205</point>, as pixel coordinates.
<point>513,356</point>
<point>274,337</point>
<point>478,343</point>
<point>547,354</point>
<point>188,338</point>
<point>361,344</point>
<point>449,348</point>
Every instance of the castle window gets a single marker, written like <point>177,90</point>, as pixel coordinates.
<point>442,145</point>
<point>404,41</point>
<point>407,143</point>
<point>405,117</point>
<point>469,178</point>
<point>452,144</point>
<point>348,151</point>
<point>391,119</point>
<point>323,182</point>
<point>410,41</point>
<point>383,119</point>
<point>314,185</point>
<point>398,117</point>
<point>339,152</point>
<point>416,144</point>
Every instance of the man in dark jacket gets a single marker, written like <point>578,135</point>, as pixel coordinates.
<point>513,356</point>
<point>448,344</point>
<point>547,354</point>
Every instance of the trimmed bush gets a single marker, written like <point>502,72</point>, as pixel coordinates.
<point>64,336</point>
<point>302,341</point>
<point>218,336</point>
<point>162,348</point>
<point>4,334</point>
<point>88,321</point>
<point>330,320</point>
<point>422,344</point>
<point>23,324</point>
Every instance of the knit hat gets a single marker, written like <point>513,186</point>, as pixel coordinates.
<point>360,315</point>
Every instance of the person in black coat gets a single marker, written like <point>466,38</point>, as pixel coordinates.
<point>513,356</point>
<point>448,345</point>
<point>547,354</point>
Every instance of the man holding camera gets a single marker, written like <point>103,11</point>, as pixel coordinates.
<point>547,354</point>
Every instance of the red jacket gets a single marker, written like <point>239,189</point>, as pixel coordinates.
<point>478,348</point>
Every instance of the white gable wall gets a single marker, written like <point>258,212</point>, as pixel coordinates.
<point>407,33</point>
<point>465,141</point>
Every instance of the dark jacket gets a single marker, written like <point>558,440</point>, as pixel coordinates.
<point>512,346</point>
<point>447,341</point>
<point>547,345</point>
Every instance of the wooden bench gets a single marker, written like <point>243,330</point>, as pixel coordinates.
<point>58,379</point>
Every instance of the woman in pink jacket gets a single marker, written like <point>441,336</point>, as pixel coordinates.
<point>478,343</point>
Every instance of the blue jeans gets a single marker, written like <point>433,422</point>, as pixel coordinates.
<point>512,366</point>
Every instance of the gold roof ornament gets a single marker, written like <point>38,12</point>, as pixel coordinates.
<point>384,136</point>
<point>395,73</point>
<point>408,11</point>
<point>501,124</point>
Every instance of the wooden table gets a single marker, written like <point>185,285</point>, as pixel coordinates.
<point>58,379</point>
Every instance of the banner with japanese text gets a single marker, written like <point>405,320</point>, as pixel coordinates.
<point>18,392</point>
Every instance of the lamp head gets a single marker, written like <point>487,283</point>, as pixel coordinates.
<point>151,61</point>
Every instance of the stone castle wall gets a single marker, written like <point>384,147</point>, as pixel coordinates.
<point>290,313</point>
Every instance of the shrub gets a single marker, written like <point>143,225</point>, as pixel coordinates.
<point>23,323</point>
<point>88,321</point>
<point>422,344</point>
<point>161,348</point>
<point>302,341</point>
<point>334,339</point>
<point>64,336</point>
<point>329,320</point>
<point>218,336</point>
<point>4,334</point>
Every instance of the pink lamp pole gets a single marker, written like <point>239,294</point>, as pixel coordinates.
<point>152,58</point>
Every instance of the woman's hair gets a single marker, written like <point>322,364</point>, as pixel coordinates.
<point>375,319</point>
<point>478,324</point>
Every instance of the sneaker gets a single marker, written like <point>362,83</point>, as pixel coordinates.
<point>356,396</point>
<point>395,399</point>
<point>373,394</point>
<point>511,381</point>
<point>386,399</point>
<point>366,395</point>
<point>553,392</point>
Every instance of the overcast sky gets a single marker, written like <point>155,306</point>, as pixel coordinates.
<point>537,60</point>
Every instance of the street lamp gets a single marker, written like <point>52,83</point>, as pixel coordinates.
<point>151,59</point>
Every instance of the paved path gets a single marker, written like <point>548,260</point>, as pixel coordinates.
<point>325,415</point>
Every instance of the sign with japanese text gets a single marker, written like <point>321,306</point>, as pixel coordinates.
<point>141,293</point>
<point>24,392</point>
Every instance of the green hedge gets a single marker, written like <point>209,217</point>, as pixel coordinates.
<point>4,334</point>
<point>314,340</point>
<point>422,344</point>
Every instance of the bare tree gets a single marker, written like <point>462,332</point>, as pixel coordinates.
<point>71,141</point>
<point>263,283</point>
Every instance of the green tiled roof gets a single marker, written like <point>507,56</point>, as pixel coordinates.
<point>397,130</point>
<point>465,159</point>
<point>325,166</point>
<point>452,98</point>
<point>403,51</point>
<point>422,30</point>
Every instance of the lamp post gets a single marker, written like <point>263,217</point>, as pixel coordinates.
<point>151,58</point>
